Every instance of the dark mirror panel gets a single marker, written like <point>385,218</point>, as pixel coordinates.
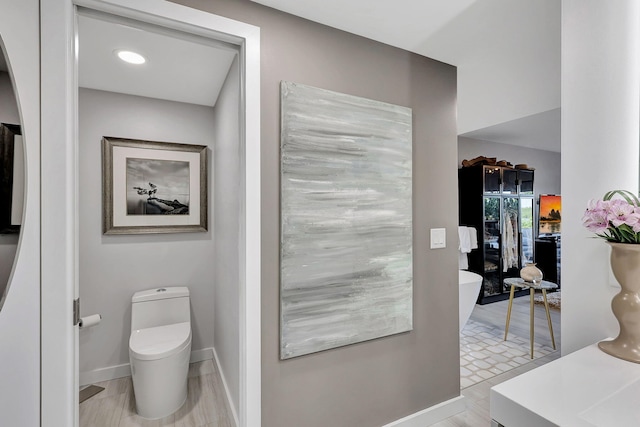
<point>509,181</point>
<point>526,182</point>
<point>11,171</point>
<point>491,180</point>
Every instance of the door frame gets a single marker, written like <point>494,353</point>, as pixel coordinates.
<point>59,338</point>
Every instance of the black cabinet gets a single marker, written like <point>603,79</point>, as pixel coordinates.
<point>498,202</point>
<point>548,250</point>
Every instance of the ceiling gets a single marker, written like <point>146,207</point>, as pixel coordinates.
<point>507,53</point>
<point>541,131</point>
<point>183,69</point>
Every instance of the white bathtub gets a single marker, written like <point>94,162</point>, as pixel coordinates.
<point>469,289</point>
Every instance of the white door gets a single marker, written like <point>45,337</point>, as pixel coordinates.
<point>20,309</point>
<point>59,194</point>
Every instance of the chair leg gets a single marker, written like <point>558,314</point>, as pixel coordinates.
<point>506,328</point>
<point>546,307</point>
<point>531,326</point>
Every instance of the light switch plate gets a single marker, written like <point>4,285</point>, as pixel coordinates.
<point>438,238</point>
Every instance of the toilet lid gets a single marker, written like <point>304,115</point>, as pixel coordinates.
<point>159,342</point>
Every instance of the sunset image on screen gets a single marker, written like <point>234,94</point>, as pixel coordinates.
<point>550,207</point>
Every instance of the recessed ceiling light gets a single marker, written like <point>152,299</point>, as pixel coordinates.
<point>130,57</point>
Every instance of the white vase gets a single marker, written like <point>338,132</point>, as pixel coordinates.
<point>531,272</point>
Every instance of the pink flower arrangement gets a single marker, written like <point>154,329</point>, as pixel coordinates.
<point>617,220</point>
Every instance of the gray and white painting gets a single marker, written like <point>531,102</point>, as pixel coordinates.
<point>346,232</point>
<point>157,187</point>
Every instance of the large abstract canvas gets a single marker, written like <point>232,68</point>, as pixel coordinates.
<point>346,231</point>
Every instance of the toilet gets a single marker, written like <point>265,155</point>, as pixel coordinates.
<point>159,350</point>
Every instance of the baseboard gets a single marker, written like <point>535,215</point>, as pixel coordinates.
<point>234,412</point>
<point>124,370</point>
<point>104,374</point>
<point>433,414</point>
<point>201,355</point>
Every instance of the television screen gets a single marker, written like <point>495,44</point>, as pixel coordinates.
<point>549,215</point>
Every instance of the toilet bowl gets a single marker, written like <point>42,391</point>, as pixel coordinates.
<point>159,350</point>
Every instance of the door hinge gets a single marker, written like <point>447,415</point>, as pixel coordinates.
<point>76,311</point>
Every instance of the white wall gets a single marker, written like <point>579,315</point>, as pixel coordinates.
<point>545,163</point>
<point>8,242</point>
<point>492,90</point>
<point>600,96</point>
<point>20,314</point>
<point>112,268</point>
<point>227,196</point>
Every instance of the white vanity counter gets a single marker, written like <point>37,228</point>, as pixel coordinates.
<point>586,388</point>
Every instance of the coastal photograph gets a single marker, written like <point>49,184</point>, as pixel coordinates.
<point>157,187</point>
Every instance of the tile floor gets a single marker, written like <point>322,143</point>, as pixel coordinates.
<point>477,396</point>
<point>492,317</point>
<point>484,353</point>
<point>206,404</point>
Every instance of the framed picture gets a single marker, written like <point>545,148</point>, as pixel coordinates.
<point>549,216</point>
<point>153,187</point>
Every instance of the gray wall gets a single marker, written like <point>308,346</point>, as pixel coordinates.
<point>546,163</point>
<point>112,268</point>
<point>226,219</point>
<point>8,242</point>
<point>376,382</point>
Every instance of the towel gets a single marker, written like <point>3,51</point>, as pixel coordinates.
<point>473,237</point>
<point>463,261</point>
<point>465,242</point>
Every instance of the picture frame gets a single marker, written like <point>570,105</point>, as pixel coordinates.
<point>153,187</point>
<point>549,214</point>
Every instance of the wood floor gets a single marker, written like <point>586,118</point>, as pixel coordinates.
<point>477,412</point>
<point>206,404</point>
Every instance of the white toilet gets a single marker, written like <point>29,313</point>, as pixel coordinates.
<point>159,350</point>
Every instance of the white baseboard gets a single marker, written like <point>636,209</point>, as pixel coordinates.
<point>234,411</point>
<point>104,374</point>
<point>433,414</point>
<point>201,355</point>
<point>124,370</point>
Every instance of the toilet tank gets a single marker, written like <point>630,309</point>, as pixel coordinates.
<point>159,307</point>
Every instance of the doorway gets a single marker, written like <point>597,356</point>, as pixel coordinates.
<point>81,107</point>
<point>486,357</point>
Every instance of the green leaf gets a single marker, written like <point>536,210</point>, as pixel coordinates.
<point>631,198</point>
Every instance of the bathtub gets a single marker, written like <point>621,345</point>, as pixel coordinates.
<point>469,289</point>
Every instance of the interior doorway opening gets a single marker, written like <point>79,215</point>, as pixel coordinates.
<point>68,107</point>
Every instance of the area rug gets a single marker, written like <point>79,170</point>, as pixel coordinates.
<point>553,299</point>
<point>484,354</point>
